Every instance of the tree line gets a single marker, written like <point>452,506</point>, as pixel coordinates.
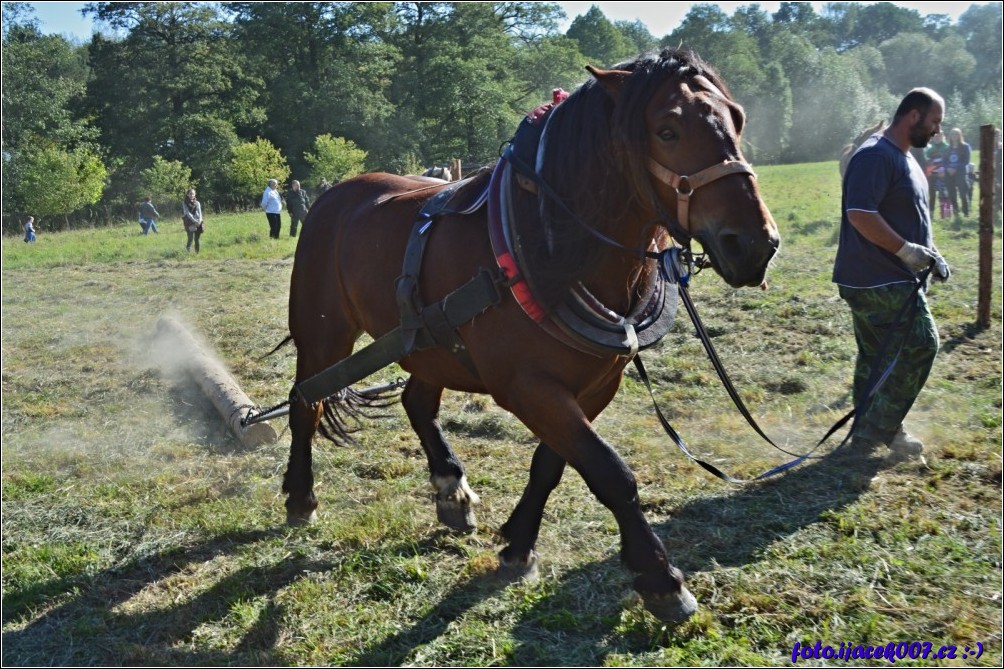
<point>223,96</point>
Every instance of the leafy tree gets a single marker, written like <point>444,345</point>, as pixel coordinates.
<point>756,23</point>
<point>870,65</point>
<point>884,20</point>
<point>914,59</point>
<point>599,40</point>
<point>459,84</point>
<point>954,67</point>
<point>938,26</point>
<point>54,181</point>
<point>769,118</point>
<point>853,24</point>
<point>835,106</point>
<point>982,27</point>
<point>325,66</point>
<point>44,78</point>
<point>984,109</point>
<point>175,85</point>
<point>637,36</point>
<point>546,64</point>
<point>700,29</point>
<point>335,158</point>
<point>165,180</point>
<point>253,164</point>
<point>707,30</point>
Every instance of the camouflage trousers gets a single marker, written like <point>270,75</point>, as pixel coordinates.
<point>874,313</point>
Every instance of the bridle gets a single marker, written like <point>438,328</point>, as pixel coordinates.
<point>528,177</point>
<point>686,185</point>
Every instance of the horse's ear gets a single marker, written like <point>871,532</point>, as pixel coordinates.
<point>611,80</point>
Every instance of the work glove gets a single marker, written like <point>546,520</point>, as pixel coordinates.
<point>918,258</point>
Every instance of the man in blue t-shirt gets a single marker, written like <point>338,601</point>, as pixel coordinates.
<point>885,241</point>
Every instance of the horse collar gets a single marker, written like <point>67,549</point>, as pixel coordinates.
<point>580,320</point>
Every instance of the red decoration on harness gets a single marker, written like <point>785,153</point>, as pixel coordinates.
<point>519,287</point>
<point>558,96</point>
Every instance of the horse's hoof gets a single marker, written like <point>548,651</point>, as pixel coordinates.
<point>457,517</point>
<point>519,570</point>
<point>673,607</point>
<point>299,519</point>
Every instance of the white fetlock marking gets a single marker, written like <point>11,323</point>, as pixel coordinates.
<point>472,497</point>
<point>449,489</point>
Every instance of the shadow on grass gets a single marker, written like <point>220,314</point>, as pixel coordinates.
<point>730,529</point>
<point>576,620</point>
<point>583,607</point>
<point>726,530</point>
<point>85,630</point>
<point>968,332</point>
<point>398,648</point>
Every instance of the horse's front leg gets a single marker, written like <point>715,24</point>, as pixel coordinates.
<point>298,483</point>
<point>454,497</point>
<point>552,413</point>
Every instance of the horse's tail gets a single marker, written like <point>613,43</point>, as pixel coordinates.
<point>285,341</point>
<point>344,411</point>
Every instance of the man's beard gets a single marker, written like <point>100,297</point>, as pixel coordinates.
<point>920,136</point>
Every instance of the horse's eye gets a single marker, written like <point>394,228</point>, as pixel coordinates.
<point>667,135</point>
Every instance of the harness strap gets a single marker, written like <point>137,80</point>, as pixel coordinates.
<point>372,358</point>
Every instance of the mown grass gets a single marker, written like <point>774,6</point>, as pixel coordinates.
<point>137,531</point>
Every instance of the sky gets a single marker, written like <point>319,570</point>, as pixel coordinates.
<point>661,17</point>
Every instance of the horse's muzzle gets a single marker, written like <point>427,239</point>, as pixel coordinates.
<point>741,259</point>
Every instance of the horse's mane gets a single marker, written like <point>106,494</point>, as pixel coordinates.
<point>848,151</point>
<point>595,159</point>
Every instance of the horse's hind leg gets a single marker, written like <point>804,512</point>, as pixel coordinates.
<point>454,496</point>
<point>298,483</point>
<point>316,349</point>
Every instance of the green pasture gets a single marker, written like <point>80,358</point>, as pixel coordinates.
<point>136,530</point>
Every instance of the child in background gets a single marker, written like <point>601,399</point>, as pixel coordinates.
<point>29,230</point>
<point>148,216</point>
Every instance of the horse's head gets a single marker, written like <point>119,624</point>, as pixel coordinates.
<point>849,149</point>
<point>677,130</point>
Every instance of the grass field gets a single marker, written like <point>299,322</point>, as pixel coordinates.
<point>137,531</point>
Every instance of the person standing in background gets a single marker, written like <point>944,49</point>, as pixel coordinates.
<point>29,230</point>
<point>148,216</point>
<point>297,202</point>
<point>271,204</point>
<point>191,215</point>
<point>957,157</point>
<point>934,168</point>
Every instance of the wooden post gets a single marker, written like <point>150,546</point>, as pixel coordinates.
<point>988,149</point>
<point>216,383</point>
<point>455,169</point>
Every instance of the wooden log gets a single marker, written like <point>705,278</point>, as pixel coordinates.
<point>988,146</point>
<point>216,383</point>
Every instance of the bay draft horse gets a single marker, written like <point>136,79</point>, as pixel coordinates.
<point>611,153</point>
